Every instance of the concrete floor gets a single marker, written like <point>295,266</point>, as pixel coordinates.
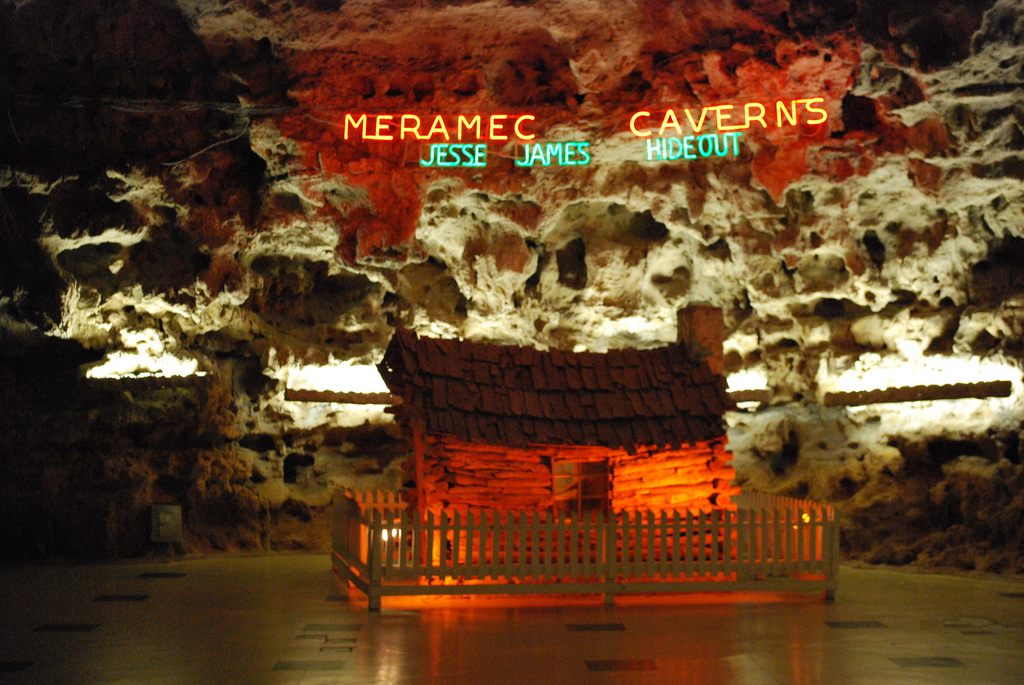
<point>278,619</point>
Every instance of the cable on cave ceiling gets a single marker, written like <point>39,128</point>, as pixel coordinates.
<point>148,106</point>
<point>209,147</point>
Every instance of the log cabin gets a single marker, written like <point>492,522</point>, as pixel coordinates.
<point>513,428</point>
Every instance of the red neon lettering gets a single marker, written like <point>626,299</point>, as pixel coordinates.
<point>759,117</point>
<point>438,126</point>
<point>519,120</point>
<point>781,111</point>
<point>722,116</point>
<point>497,123</point>
<point>670,120</point>
<point>360,123</point>
<point>414,129</point>
<point>808,102</point>
<point>726,119</point>
<point>469,124</point>
<point>699,124</point>
<point>381,127</point>
<point>632,125</point>
<point>409,125</point>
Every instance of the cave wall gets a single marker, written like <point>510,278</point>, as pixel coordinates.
<point>176,193</point>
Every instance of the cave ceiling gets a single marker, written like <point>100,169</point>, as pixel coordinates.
<point>174,178</point>
<point>186,234</point>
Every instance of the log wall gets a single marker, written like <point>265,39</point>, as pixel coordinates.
<point>462,476</point>
<point>693,477</point>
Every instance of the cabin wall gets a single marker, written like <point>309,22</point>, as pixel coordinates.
<point>458,475</point>
<point>698,476</point>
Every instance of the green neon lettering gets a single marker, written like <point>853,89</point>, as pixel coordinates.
<point>583,148</point>
<point>444,155</point>
<point>557,153</point>
<point>688,148</point>
<point>674,149</point>
<point>735,143</point>
<point>706,150</point>
<point>655,148</point>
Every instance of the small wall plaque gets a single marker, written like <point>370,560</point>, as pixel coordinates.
<point>165,523</point>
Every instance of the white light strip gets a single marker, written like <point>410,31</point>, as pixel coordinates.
<point>747,379</point>
<point>144,356</point>
<point>334,376</point>
<point>140,365</point>
<point>871,371</point>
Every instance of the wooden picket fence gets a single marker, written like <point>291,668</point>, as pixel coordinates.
<point>767,543</point>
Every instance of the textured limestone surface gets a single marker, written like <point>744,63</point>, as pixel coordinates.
<point>185,233</point>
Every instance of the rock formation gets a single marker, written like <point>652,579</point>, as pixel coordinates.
<point>186,232</point>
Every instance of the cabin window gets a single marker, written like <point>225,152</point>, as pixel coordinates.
<point>580,487</point>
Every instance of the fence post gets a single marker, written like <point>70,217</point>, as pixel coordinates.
<point>373,560</point>
<point>610,553</point>
<point>342,537</point>
<point>833,553</point>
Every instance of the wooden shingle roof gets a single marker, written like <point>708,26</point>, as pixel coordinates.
<point>510,395</point>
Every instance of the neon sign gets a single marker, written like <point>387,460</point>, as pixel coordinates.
<point>558,153</point>
<point>441,155</point>
<point>567,153</point>
<point>787,113</point>
<point>461,140</point>
<point>692,147</point>
<point>409,126</point>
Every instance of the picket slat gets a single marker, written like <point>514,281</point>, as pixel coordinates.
<point>716,555</point>
<point>472,547</point>
<point>728,564</point>
<point>790,542</point>
<point>486,563</point>
<point>688,544</point>
<point>817,548</point>
<point>401,543</point>
<point>534,562</point>
<point>442,544</point>
<point>508,539</point>
<point>801,528</point>
<point>662,540</point>
<point>575,545</point>
<point>557,559</point>
<point>817,529</point>
<point>780,552</point>
<point>483,535</point>
<point>637,543</point>
<point>752,542</point>
<point>417,545</point>
<point>498,522</point>
<point>546,545</point>
<point>521,571</point>
<point>649,563</point>
<point>454,522</point>
<point>676,540</point>
<point>428,557</point>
